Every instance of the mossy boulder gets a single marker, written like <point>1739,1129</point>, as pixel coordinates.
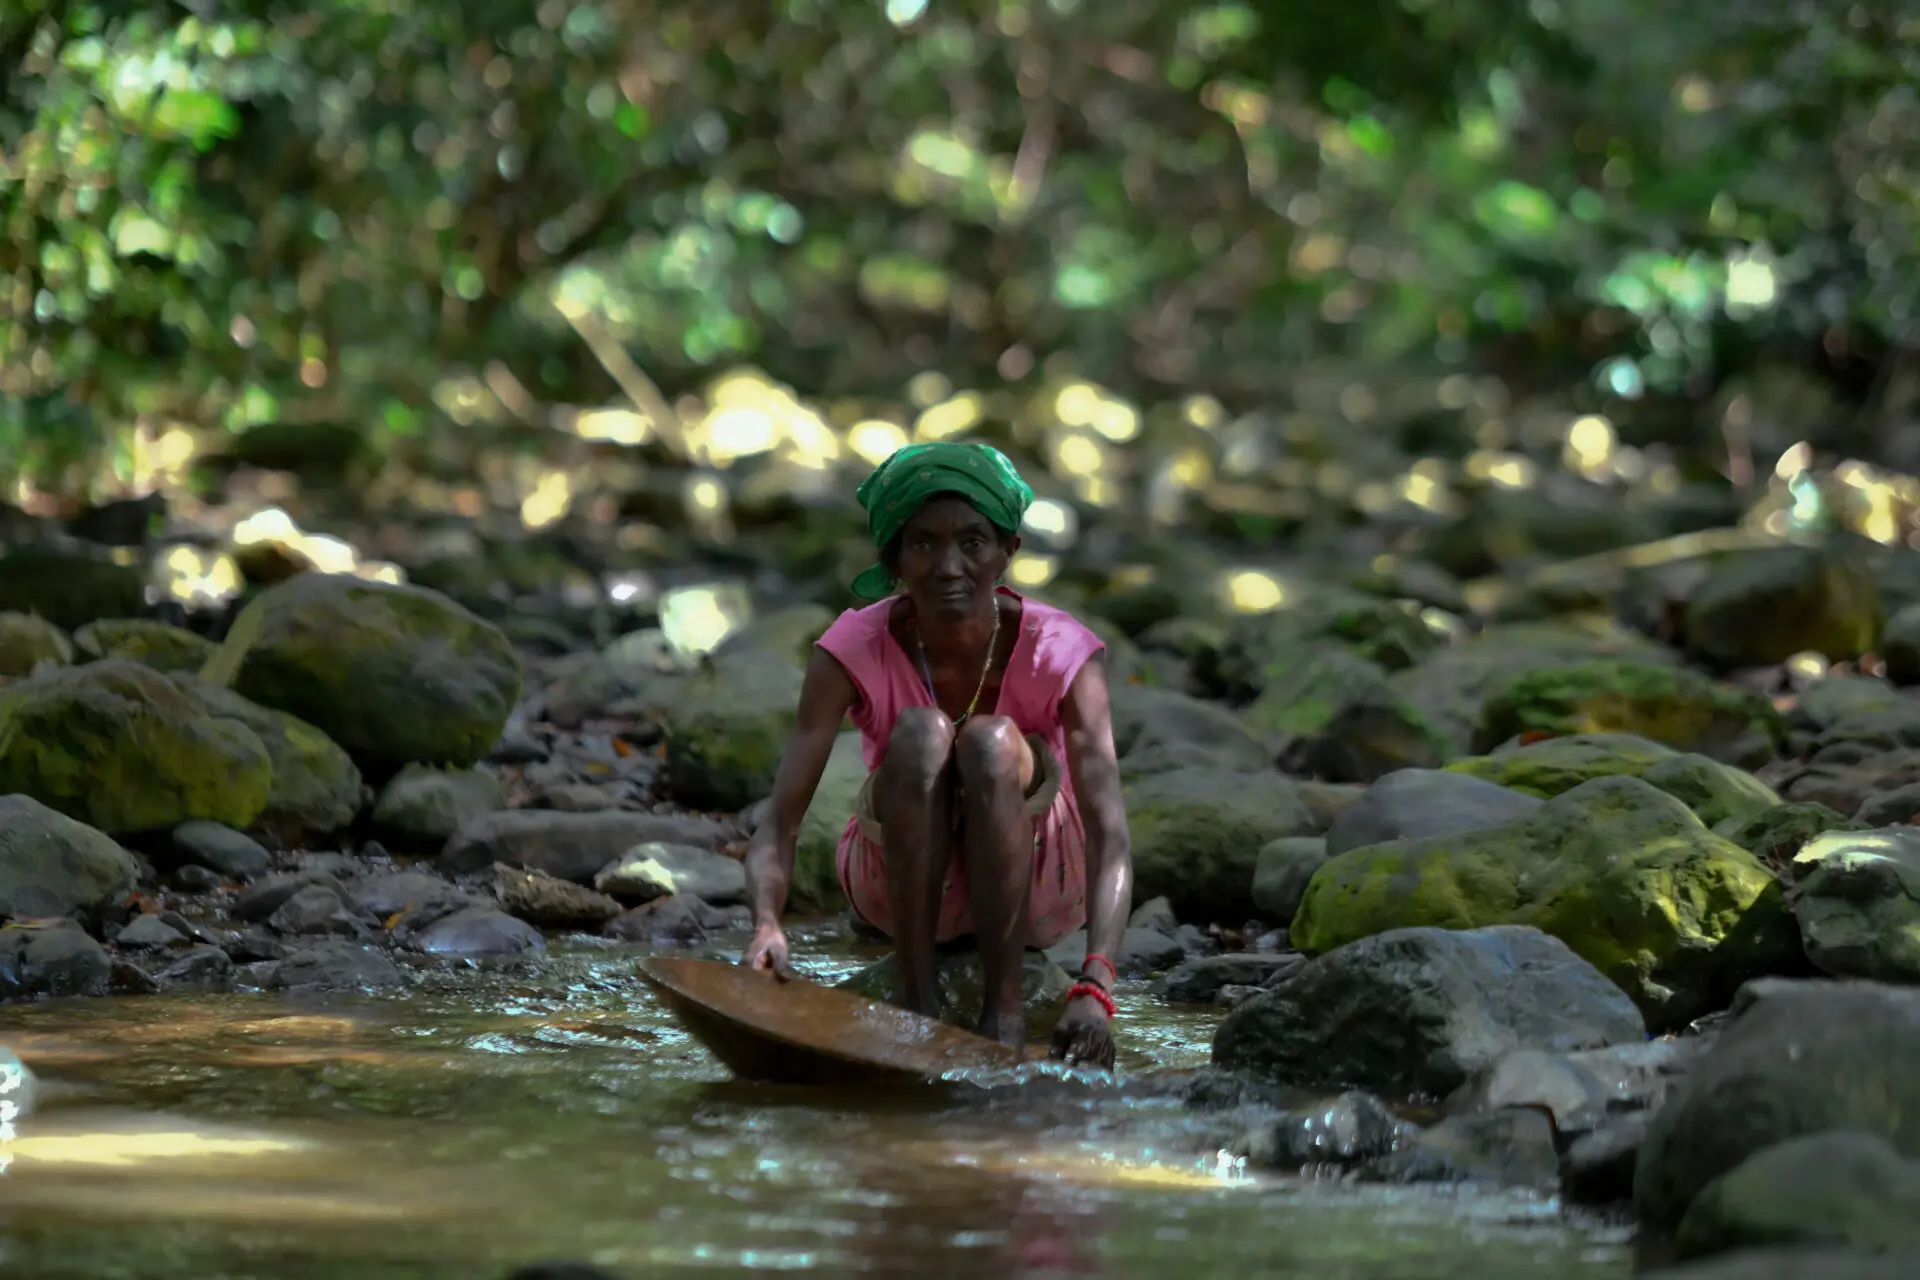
<point>1621,872</point>
<point>425,805</point>
<point>816,875</point>
<point>1795,1059</point>
<point>70,584</point>
<point>118,746</point>
<point>27,640</point>
<point>146,641</point>
<point>962,986</point>
<point>51,865</point>
<point>1197,836</point>
<point>1331,714</point>
<point>1857,898</point>
<point>1715,792</point>
<point>1452,685</point>
<point>1775,835</point>
<point>1147,718</point>
<point>1554,765</point>
<point>1665,704</point>
<point>1849,1189</point>
<point>396,675</point>
<point>316,787</point>
<point>1763,605</point>
<point>726,727</point>
<point>1257,649</point>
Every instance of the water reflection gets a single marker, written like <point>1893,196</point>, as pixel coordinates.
<point>480,1124</point>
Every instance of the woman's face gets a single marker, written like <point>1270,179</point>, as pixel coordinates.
<point>950,557</point>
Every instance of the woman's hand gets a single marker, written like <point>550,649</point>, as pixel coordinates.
<point>768,950</point>
<point>1083,1035</point>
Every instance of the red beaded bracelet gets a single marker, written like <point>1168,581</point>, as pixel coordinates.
<point>1112,968</point>
<point>1098,992</point>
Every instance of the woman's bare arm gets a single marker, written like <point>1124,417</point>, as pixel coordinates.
<point>1086,715</point>
<point>825,696</point>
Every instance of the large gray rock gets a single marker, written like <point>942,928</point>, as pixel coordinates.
<point>1766,604</point>
<point>572,846</point>
<point>426,805</point>
<point>51,865</point>
<point>1199,980</point>
<point>1148,720</point>
<point>656,869</point>
<point>232,853</point>
<point>1197,836</point>
<point>1796,1058</point>
<point>1850,1189</point>
<point>120,747</point>
<point>1900,646</point>
<point>1857,900</point>
<point>1415,803</point>
<point>396,675</point>
<point>1422,1010</point>
<point>316,786</point>
<point>57,960</point>
<point>1281,873</point>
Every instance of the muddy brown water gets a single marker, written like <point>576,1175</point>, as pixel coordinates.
<point>556,1110</point>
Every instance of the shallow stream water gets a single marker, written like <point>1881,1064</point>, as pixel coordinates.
<point>556,1111</point>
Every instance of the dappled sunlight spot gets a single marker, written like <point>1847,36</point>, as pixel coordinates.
<point>1254,591</point>
<point>1053,522</point>
<point>874,440</point>
<point>1590,446</point>
<point>1030,570</point>
<point>1504,470</point>
<point>1080,1165</point>
<point>551,497</point>
<point>696,619</point>
<point>1083,404</point>
<point>609,426</point>
<point>196,577</point>
<point>950,418</point>
<point>145,1143</point>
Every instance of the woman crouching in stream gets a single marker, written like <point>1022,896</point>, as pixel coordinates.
<point>992,803</point>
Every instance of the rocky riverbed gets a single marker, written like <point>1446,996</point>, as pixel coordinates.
<point>1604,899</point>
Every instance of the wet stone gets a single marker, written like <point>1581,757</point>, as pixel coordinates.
<point>253,945</point>
<point>147,931</point>
<point>1198,981</point>
<point>231,853</point>
<point>389,894</point>
<point>479,931</point>
<point>1155,914</point>
<point>656,869</point>
<point>200,967</point>
<point>59,960</point>
<point>194,878</point>
<point>1352,1127</point>
<point>261,899</point>
<point>547,902</point>
<point>681,920</point>
<point>316,909</point>
<point>334,965</point>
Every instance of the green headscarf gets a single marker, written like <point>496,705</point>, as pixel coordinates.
<point>915,473</point>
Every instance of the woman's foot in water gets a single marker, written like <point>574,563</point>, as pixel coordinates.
<point>1009,1029</point>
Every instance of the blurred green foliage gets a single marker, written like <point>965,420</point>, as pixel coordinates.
<point>241,213</point>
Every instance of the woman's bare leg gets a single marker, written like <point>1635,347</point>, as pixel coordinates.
<point>913,798</point>
<point>996,768</point>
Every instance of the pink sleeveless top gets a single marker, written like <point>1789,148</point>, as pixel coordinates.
<point>1047,655</point>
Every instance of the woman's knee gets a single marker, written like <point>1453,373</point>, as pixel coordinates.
<point>988,752</point>
<point>919,746</point>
